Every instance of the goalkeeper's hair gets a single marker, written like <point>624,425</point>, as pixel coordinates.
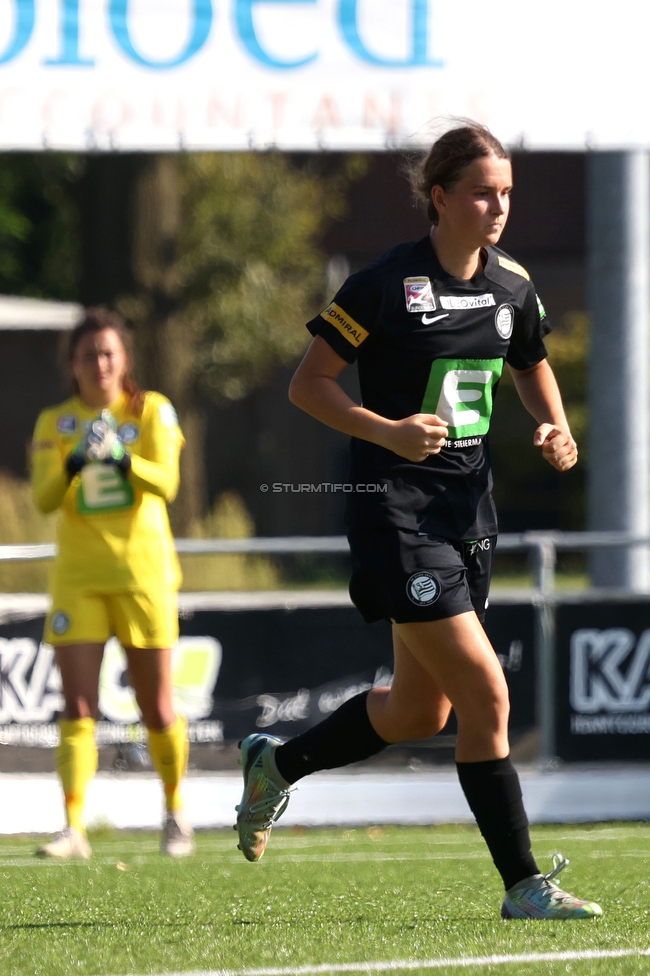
<point>96,319</point>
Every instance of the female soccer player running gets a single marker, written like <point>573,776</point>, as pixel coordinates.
<point>430,325</point>
<point>108,460</point>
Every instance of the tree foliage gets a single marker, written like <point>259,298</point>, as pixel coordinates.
<point>39,234</point>
<point>226,269</point>
<point>253,271</point>
<point>244,269</point>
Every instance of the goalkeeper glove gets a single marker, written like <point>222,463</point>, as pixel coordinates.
<point>119,457</point>
<point>78,457</point>
<point>75,461</point>
<point>100,443</point>
<point>101,437</point>
<point>104,443</point>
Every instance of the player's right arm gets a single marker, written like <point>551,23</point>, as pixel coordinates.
<point>314,388</point>
<point>50,479</point>
<point>341,330</point>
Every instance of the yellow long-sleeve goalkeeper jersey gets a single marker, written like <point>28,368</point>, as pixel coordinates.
<point>113,531</point>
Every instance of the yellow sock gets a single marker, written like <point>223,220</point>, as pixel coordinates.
<point>76,763</point>
<point>169,749</point>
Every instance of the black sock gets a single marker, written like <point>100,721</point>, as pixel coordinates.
<point>494,795</point>
<point>346,736</point>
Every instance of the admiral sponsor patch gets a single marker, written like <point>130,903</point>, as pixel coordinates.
<point>460,302</point>
<point>504,319</point>
<point>353,332</point>
<point>67,424</point>
<point>514,267</point>
<point>418,295</point>
<point>128,433</point>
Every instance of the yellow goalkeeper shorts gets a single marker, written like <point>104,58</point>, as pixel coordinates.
<point>136,619</point>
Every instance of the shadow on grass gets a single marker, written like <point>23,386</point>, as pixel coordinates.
<point>55,925</point>
<point>27,926</point>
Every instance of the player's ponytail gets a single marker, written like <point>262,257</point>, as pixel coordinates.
<point>96,319</point>
<point>448,156</point>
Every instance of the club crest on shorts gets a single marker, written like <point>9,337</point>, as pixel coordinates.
<point>60,622</point>
<point>423,588</point>
<point>418,295</point>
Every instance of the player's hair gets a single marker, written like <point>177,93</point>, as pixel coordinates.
<point>448,156</point>
<point>96,319</point>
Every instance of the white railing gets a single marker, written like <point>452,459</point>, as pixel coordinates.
<point>543,547</point>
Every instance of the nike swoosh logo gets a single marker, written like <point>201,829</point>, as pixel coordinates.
<point>434,318</point>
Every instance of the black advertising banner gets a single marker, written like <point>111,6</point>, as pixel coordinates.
<point>511,628</point>
<point>603,681</point>
<point>238,671</point>
<point>285,670</point>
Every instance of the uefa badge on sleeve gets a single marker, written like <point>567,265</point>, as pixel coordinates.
<point>423,589</point>
<point>60,623</point>
<point>418,295</point>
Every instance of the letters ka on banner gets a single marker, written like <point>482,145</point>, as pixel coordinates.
<point>30,685</point>
<point>610,677</point>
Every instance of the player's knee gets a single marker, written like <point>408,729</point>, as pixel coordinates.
<point>399,718</point>
<point>423,728</point>
<point>487,713</point>
<point>422,724</point>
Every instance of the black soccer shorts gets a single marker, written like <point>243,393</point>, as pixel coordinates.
<point>410,576</point>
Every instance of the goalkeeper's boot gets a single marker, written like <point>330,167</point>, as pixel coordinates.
<point>177,838</point>
<point>538,897</point>
<point>68,843</point>
<point>265,796</point>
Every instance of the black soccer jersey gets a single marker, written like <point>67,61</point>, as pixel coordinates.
<point>426,342</point>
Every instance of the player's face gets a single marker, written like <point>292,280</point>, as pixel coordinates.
<point>99,365</point>
<point>474,211</point>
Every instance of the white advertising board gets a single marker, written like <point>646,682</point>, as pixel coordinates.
<point>310,74</point>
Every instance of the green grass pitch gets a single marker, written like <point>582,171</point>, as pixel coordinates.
<point>317,897</point>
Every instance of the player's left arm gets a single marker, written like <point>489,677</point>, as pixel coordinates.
<point>157,469</point>
<point>540,394</point>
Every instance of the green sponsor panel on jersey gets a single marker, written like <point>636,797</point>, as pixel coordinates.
<point>103,489</point>
<point>460,392</point>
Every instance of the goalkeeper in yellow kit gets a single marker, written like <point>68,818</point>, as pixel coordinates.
<point>108,460</point>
